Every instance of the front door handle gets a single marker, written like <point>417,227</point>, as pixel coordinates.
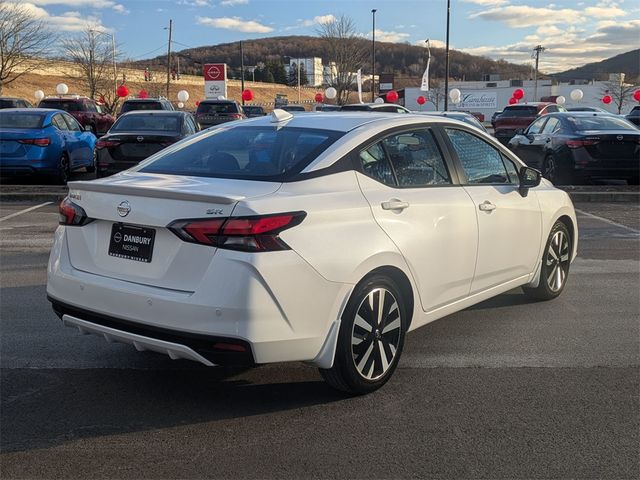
<point>487,206</point>
<point>394,204</point>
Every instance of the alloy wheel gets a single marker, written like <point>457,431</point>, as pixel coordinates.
<point>550,169</point>
<point>557,261</point>
<point>376,334</point>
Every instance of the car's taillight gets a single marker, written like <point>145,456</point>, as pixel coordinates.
<point>100,144</point>
<point>235,115</point>
<point>582,143</point>
<point>72,214</point>
<point>40,142</point>
<point>248,234</point>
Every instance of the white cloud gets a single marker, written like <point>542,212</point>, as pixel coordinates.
<point>522,16</point>
<point>120,9</point>
<point>233,3</point>
<point>320,19</point>
<point>76,3</point>
<point>394,37</point>
<point>195,3</point>
<point>486,3</point>
<point>604,12</point>
<point>235,23</point>
<point>71,21</point>
<point>433,43</point>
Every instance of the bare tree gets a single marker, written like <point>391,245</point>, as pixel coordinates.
<point>24,41</point>
<point>620,92</point>
<point>346,50</point>
<point>92,54</point>
<point>436,93</point>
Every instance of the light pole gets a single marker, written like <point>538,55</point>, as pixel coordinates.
<point>242,72</point>
<point>446,62</point>
<point>169,55</point>
<point>113,54</point>
<point>373,57</point>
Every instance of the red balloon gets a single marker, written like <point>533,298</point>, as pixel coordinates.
<point>513,100</point>
<point>421,100</point>
<point>319,97</point>
<point>607,99</point>
<point>197,103</point>
<point>122,91</point>
<point>143,94</point>
<point>636,95</point>
<point>392,96</point>
<point>518,93</point>
<point>247,95</point>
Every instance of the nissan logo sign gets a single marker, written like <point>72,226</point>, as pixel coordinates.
<point>124,208</point>
<point>140,139</point>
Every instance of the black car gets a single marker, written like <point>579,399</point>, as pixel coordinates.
<point>578,146</point>
<point>146,104</point>
<point>14,102</point>
<point>634,115</point>
<point>374,107</point>
<point>253,111</point>
<point>216,112</point>
<point>138,135</point>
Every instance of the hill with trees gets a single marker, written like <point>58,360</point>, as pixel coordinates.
<point>627,63</point>
<point>405,60</point>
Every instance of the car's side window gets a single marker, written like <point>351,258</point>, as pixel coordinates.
<point>90,107</point>
<point>72,123</point>
<point>375,164</point>
<point>551,109</point>
<point>482,163</point>
<point>552,125</point>
<point>59,123</point>
<point>416,159</point>
<point>512,170</point>
<point>536,127</point>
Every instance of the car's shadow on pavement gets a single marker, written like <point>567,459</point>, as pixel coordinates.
<point>49,407</point>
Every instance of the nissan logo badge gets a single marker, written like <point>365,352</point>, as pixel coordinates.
<point>619,137</point>
<point>124,208</point>
<point>140,139</point>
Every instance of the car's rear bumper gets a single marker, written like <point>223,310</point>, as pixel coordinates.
<point>242,298</point>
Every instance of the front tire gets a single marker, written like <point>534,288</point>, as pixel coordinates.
<point>552,171</point>
<point>371,337</point>
<point>556,260</point>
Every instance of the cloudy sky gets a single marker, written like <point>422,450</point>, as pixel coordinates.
<point>574,32</point>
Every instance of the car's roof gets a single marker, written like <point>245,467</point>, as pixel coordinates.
<point>11,98</point>
<point>73,98</point>
<point>581,113</point>
<point>529,104</point>
<point>133,113</point>
<point>212,100</point>
<point>144,100</point>
<point>31,111</point>
<point>339,121</point>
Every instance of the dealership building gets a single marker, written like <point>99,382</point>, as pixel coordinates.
<point>493,95</point>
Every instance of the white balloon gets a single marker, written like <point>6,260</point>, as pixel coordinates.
<point>456,100</point>
<point>180,105</point>
<point>379,100</point>
<point>183,95</point>
<point>330,93</point>
<point>576,94</point>
<point>39,94</point>
<point>62,89</point>
<point>561,100</point>
<point>454,93</point>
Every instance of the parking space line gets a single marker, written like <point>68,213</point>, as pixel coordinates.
<point>606,220</point>
<point>26,210</point>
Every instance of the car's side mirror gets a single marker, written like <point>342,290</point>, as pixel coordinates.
<point>529,178</point>
<point>87,128</point>
<point>520,131</point>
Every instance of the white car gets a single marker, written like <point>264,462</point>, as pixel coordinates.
<point>319,237</point>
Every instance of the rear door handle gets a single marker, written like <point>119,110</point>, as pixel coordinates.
<point>394,204</point>
<point>487,206</point>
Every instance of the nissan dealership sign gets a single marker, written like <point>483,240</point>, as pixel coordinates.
<point>478,99</point>
<point>215,80</point>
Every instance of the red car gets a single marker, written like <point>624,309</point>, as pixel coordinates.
<point>85,110</point>
<point>520,116</point>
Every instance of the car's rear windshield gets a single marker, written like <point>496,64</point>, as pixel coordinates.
<point>129,106</point>
<point>356,108</point>
<point>21,120</point>
<point>66,105</point>
<point>248,109</point>
<point>139,123</point>
<point>223,107</point>
<point>250,153</point>
<point>601,123</point>
<point>8,103</point>
<point>293,108</point>
<point>523,111</point>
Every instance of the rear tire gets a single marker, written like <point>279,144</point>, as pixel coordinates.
<point>371,337</point>
<point>556,260</point>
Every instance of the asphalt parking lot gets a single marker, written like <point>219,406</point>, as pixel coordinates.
<point>507,389</point>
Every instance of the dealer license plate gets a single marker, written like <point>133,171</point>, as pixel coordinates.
<point>132,242</point>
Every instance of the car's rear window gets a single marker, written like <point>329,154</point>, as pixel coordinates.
<point>251,153</point>
<point>601,123</point>
<point>253,110</point>
<point>66,105</point>
<point>356,108</point>
<point>135,123</point>
<point>129,106</point>
<point>523,111</point>
<point>8,103</point>
<point>21,120</point>
<point>224,107</point>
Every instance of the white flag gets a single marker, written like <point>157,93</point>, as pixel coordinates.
<point>359,80</point>
<point>425,77</point>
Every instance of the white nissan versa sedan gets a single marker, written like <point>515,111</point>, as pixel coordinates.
<point>319,237</point>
